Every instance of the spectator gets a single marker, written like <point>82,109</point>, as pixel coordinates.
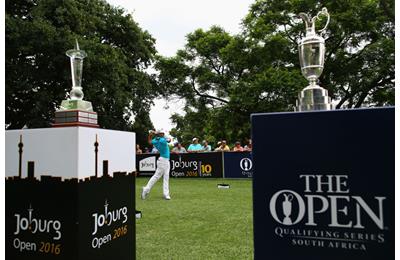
<point>223,147</point>
<point>237,147</point>
<point>249,146</point>
<point>206,146</point>
<point>195,147</point>
<point>218,146</point>
<point>146,150</point>
<point>138,150</point>
<point>179,148</point>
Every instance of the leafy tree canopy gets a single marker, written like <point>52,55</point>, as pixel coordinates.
<point>141,126</point>
<point>359,63</point>
<point>38,75</point>
<point>224,78</point>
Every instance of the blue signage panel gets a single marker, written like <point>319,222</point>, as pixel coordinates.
<point>238,165</point>
<point>323,185</point>
<point>197,165</point>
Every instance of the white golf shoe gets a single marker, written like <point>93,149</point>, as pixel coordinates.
<point>167,197</point>
<point>144,193</point>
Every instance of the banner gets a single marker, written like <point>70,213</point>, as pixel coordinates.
<point>146,164</point>
<point>238,165</point>
<point>323,185</point>
<point>193,165</point>
<point>202,165</point>
<point>70,194</point>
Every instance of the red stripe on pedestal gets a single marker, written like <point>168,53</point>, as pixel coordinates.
<point>75,124</point>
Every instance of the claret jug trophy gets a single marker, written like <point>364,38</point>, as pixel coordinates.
<point>312,55</point>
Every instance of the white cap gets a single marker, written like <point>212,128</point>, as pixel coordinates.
<point>159,131</point>
<point>194,139</point>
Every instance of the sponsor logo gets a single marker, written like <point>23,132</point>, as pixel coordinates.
<point>147,164</point>
<point>116,217</point>
<point>322,214</point>
<point>246,164</point>
<point>336,200</point>
<point>108,217</point>
<point>184,164</point>
<point>182,168</point>
<point>37,225</point>
<point>31,223</point>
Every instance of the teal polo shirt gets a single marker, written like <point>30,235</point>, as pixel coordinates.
<point>162,146</point>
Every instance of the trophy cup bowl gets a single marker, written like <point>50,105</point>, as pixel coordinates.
<point>312,56</point>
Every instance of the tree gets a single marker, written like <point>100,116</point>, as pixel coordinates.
<point>38,76</point>
<point>141,127</point>
<point>224,78</point>
<point>359,63</point>
<point>220,78</point>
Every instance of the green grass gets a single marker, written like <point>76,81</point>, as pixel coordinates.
<point>199,222</point>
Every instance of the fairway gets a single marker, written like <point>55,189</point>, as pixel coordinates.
<point>199,222</point>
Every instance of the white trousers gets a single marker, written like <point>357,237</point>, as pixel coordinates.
<point>162,170</point>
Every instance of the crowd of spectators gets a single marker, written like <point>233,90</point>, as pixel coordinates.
<point>196,147</point>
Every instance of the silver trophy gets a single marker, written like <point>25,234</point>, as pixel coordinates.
<point>287,208</point>
<point>75,111</point>
<point>312,55</point>
<point>76,102</point>
<point>76,57</point>
<point>246,165</point>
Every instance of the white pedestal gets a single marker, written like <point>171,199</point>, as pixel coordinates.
<point>69,152</point>
<point>70,194</point>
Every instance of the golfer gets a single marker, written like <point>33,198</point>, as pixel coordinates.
<point>161,143</point>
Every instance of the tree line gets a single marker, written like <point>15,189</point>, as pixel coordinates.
<point>221,78</point>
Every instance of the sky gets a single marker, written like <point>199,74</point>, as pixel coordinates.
<point>170,21</point>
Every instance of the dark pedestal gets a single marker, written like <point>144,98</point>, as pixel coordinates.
<point>323,185</point>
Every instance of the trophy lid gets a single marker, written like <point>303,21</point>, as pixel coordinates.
<point>310,22</point>
<point>311,38</point>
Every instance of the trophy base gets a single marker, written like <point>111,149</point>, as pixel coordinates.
<point>76,105</point>
<point>66,118</point>
<point>75,113</point>
<point>313,98</point>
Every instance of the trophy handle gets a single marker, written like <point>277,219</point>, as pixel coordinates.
<point>288,197</point>
<point>323,12</point>
<point>306,19</point>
